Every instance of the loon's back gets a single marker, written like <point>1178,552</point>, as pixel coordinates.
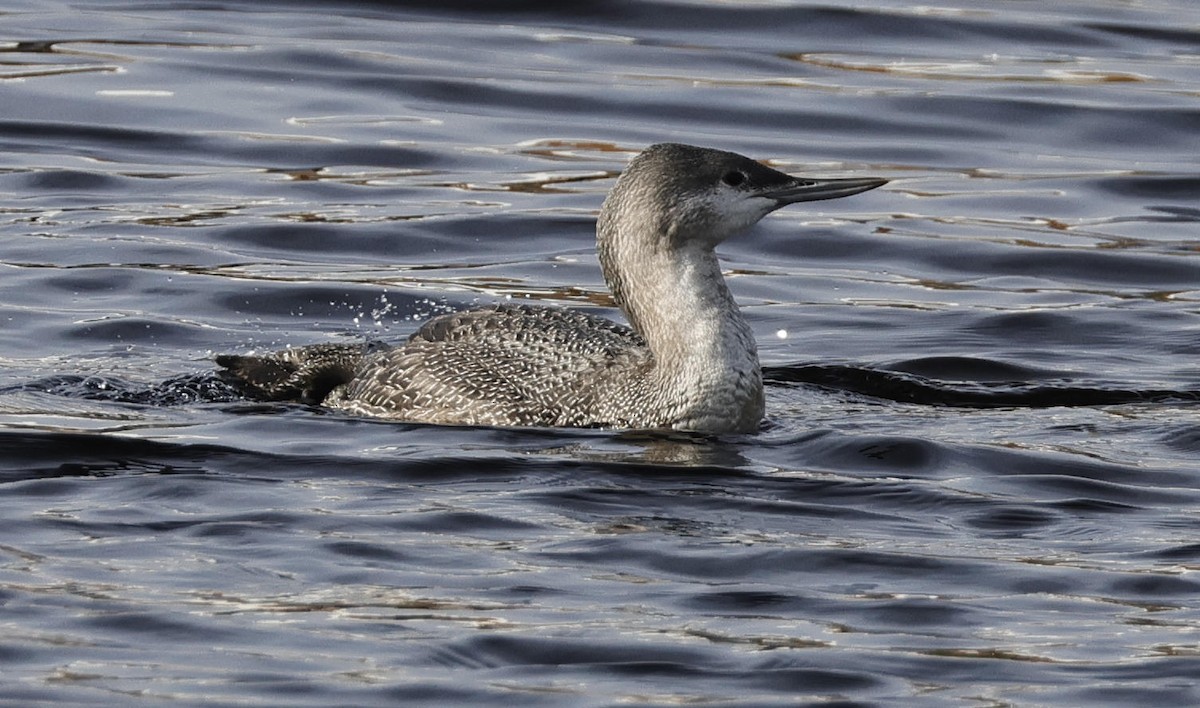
<point>511,365</point>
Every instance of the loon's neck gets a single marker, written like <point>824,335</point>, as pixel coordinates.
<point>704,353</point>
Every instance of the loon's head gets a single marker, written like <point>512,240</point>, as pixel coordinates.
<point>684,196</point>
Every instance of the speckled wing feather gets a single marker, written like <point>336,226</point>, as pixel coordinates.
<point>503,365</point>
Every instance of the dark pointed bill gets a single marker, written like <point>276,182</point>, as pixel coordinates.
<point>811,190</point>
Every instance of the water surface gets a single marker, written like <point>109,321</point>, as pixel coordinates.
<point>977,482</point>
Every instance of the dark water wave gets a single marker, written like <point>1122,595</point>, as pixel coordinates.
<point>994,388</point>
<point>156,146</point>
<point>195,388</point>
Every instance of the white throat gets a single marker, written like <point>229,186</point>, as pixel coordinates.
<point>703,347</point>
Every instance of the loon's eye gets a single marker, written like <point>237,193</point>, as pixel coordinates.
<point>733,178</point>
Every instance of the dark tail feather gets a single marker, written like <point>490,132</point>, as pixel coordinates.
<point>305,374</point>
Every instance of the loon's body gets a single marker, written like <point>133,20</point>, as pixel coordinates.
<point>687,361</point>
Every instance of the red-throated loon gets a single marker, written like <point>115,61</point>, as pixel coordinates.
<point>687,361</point>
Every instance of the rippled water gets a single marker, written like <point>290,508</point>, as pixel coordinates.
<point>978,483</point>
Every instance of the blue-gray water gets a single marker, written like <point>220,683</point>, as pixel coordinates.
<point>979,481</point>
